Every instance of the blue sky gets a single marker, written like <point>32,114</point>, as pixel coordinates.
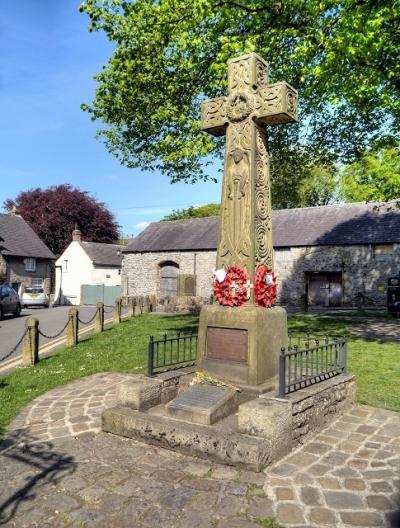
<point>47,63</point>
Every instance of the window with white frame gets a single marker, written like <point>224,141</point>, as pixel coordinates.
<point>38,283</point>
<point>30,264</point>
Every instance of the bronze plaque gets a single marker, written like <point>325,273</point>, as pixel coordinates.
<point>227,343</point>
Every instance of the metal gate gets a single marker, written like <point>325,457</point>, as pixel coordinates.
<point>325,289</point>
<point>91,294</point>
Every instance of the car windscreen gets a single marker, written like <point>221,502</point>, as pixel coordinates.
<point>34,290</point>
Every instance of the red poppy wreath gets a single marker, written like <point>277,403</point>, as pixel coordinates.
<point>265,287</point>
<point>232,291</point>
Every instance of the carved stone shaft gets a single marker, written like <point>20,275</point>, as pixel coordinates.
<point>245,237</point>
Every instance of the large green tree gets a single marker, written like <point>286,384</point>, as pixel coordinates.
<point>342,56</point>
<point>375,177</point>
<point>211,209</point>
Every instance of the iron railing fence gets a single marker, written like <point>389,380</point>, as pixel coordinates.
<point>170,353</point>
<point>309,360</point>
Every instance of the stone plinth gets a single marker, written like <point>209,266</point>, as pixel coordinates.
<point>203,404</point>
<point>242,345</point>
<point>140,394</point>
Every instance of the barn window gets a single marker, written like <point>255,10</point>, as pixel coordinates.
<point>383,251</point>
<point>169,279</point>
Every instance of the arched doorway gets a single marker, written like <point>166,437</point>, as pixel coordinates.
<point>169,279</point>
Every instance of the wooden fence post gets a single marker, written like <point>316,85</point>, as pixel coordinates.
<point>30,349</point>
<point>117,310</point>
<point>131,306</point>
<point>72,328</point>
<point>99,319</point>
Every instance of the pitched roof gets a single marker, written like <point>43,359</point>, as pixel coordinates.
<point>20,240</point>
<point>357,223</point>
<point>103,254</point>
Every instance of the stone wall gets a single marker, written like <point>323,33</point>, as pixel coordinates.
<point>142,271</point>
<point>362,272</point>
<point>313,407</point>
<point>16,272</point>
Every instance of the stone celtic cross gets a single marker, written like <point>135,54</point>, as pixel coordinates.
<point>245,235</point>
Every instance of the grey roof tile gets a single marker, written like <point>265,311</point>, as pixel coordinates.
<point>103,254</point>
<point>357,223</point>
<point>20,240</point>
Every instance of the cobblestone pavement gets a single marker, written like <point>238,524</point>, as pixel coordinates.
<point>71,409</point>
<point>347,476</point>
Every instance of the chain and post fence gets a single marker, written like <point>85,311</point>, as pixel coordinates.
<point>32,332</point>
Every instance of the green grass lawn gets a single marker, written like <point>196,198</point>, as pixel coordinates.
<point>123,348</point>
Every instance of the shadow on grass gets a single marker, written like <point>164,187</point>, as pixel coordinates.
<point>47,465</point>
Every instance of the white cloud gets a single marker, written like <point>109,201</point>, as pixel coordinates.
<point>142,225</point>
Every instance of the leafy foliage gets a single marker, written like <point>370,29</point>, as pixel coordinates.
<point>211,209</point>
<point>53,213</point>
<point>375,177</point>
<point>342,55</point>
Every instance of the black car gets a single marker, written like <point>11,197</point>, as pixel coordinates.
<point>9,302</point>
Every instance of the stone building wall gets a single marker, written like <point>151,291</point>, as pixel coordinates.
<point>362,271</point>
<point>141,271</point>
<point>16,272</point>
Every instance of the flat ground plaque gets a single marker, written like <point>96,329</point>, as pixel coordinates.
<point>229,344</point>
<point>204,404</point>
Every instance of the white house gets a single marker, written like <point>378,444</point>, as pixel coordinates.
<point>87,263</point>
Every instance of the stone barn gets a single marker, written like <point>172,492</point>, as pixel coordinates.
<point>328,256</point>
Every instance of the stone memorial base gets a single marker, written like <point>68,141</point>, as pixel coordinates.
<point>242,345</point>
<point>263,429</point>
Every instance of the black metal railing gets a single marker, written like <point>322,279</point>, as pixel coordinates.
<point>308,360</point>
<point>170,353</point>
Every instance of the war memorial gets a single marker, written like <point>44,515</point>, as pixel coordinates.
<point>236,410</point>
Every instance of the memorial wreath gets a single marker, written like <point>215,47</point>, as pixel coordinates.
<point>265,287</point>
<point>233,290</point>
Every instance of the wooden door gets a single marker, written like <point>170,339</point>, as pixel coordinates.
<point>169,279</point>
<point>318,290</point>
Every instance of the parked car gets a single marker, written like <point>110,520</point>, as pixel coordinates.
<point>35,296</point>
<point>9,302</point>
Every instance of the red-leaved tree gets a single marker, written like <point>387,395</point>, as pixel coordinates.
<point>53,213</point>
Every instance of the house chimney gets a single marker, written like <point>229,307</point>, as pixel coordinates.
<point>76,234</point>
<point>14,211</point>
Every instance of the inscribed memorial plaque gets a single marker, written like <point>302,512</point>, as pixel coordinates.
<point>229,344</point>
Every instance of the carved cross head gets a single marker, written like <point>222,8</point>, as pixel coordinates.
<point>250,95</point>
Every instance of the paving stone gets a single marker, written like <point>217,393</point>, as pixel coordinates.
<point>318,470</point>
<point>304,478</point>
<point>202,501</point>
<point>373,474</point>
<point>383,455</point>
<point>225,473</point>
<point>302,459</point>
<point>229,506</point>
<point>260,507</point>
<point>372,445</point>
<point>284,494</point>
<point>358,463</point>
<point>379,502</point>
<point>381,487</point>
<point>61,502</point>
<point>236,489</point>
<point>310,496</point>
<point>329,483</point>
<point>322,517</point>
<point>342,500</point>
<point>354,484</point>
<point>252,478</point>
<point>197,469</point>
<point>335,458</point>
<point>283,470</point>
<point>361,518</point>
<point>316,448</point>
<point>237,523</point>
<point>289,513</point>
<point>366,429</point>
<point>93,493</point>
<point>202,484</point>
<point>345,472</point>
